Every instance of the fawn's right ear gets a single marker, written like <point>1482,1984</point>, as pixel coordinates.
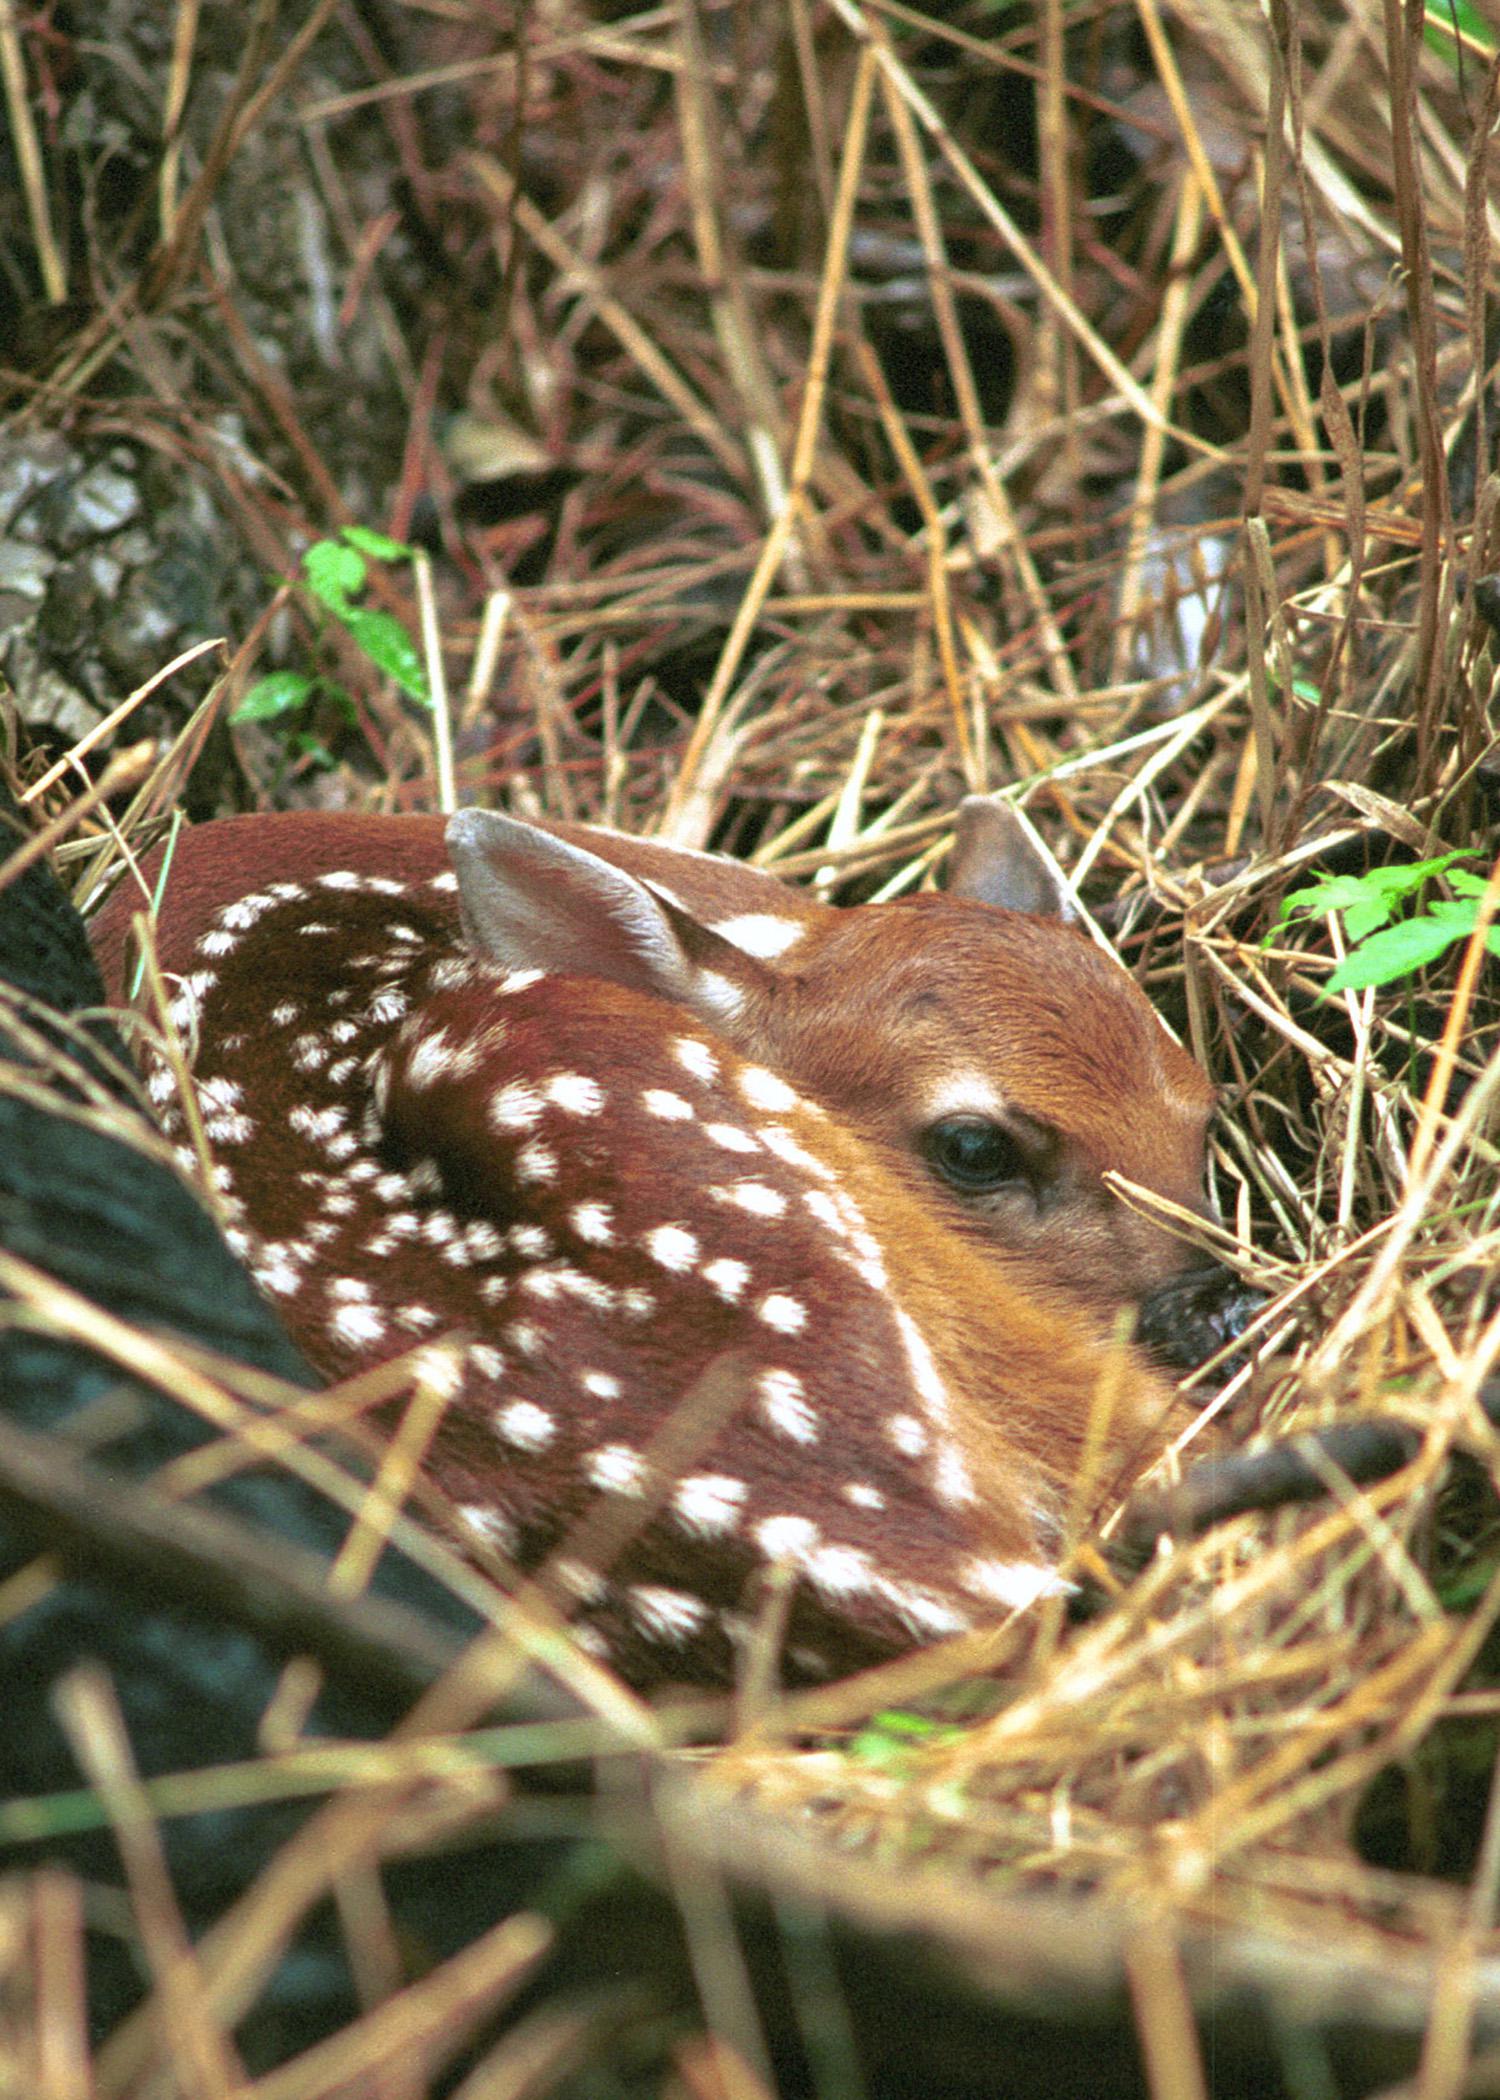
<point>536,902</point>
<point>997,860</point>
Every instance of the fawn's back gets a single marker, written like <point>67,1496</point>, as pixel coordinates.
<point>609,1118</point>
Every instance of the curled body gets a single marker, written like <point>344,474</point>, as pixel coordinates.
<point>599,1117</point>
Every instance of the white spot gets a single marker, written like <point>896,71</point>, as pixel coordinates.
<point>285,1014</point>
<point>490,1526</point>
<point>389,1006</point>
<point>191,993</point>
<point>483,1241</point>
<point>907,1433</point>
<point>357,1325</point>
<point>925,1374</point>
<point>218,943</point>
<point>536,1162</point>
<point>524,1424</point>
<point>859,1494</point>
<point>574,1093</point>
<point>763,1090</point>
<point>786,1538</point>
<point>588,1290</point>
<point>532,1242</point>
<point>228,1127</point>
<point>1012,1583</point>
<point>517,1106</point>
<point>436,1058</point>
<point>728,1277</point>
<point>952,1482</point>
<point>580,1581</point>
<point>760,933</point>
<point>593,1223</point>
<point>618,1469</point>
<point>787,1315</point>
<point>315,926</point>
<point>242,914</point>
<point>602,1385</point>
<point>340,879</point>
<point>668,1615</point>
<point>447,882</point>
<point>440,1369</point>
<point>319,1124</point>
<point>524,1338</point>
<point>709,1504</point>
<point>275,1271</point>
<point>416,1319</point>
<point>840,1571</point>
<point>758,1198</point>
<point>673,1247</point>
<point>162,1084</point>
<point>696,1058</point>
<point>779,1140</point>
<point>730,1137</point>
<point>924,1612</point>
<point>520,980</point>
<point>658,1101</point>
<point>637,1304</point>
<point>487,1360</point>
<point>783,1402</point>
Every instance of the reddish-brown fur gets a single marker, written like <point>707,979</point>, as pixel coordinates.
<point>920,1365</point>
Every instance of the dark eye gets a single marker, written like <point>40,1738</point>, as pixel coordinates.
<point>972,1153</point>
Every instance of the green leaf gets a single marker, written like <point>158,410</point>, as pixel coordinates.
<point>1396,951</point>
<point>334,573</point>
<point>389,647</point>
<point>278,693</point>
<point>377,545</point>
<point>305,745</point>
<point>1368,901</point>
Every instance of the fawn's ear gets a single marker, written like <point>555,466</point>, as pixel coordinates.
<point>535,902</point>
<point>997,859</point>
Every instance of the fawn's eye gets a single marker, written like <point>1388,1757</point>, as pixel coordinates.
<point>973,1154</point>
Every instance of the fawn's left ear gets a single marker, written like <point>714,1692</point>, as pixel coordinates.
<point>997,860</point>
<point>536,902</point>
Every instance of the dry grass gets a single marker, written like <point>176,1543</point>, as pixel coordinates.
<point>1171,530</point>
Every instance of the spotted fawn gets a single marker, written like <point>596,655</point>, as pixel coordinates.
<point>601,1115</point>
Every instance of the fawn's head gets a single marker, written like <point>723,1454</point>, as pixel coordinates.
<point>1000,1063</point>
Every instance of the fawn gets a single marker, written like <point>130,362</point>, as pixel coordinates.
<point>605,1114</point>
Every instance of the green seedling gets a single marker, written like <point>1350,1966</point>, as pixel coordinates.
<point>1386,947</point>
<point>335,573</point>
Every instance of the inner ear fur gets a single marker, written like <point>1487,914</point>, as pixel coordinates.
<point>531,900</point>
<point>998,859</point>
